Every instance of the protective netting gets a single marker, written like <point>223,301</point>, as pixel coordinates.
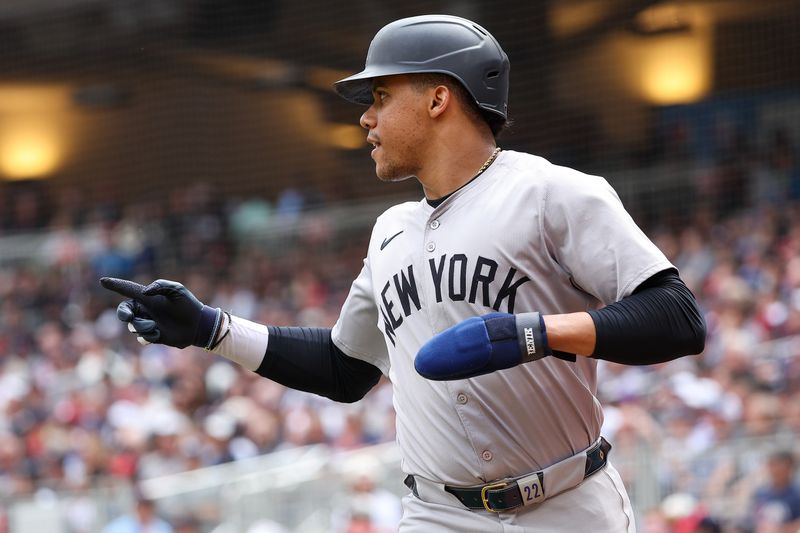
<point>200,140</point>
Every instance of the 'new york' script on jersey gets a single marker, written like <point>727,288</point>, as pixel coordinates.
<point>449,274</point>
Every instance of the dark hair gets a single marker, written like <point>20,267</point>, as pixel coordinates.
<point>784,456</point>
<point>495,122</point>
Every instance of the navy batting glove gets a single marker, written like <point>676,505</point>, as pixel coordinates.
<point>483,344</point>
<point>166,312</point>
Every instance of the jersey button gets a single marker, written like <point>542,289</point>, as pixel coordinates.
<point>487,455</point>
<point>430,246</point>
<point>461,398</point>
<point>434,224</point>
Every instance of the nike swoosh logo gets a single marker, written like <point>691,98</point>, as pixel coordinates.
<point>386,242</point>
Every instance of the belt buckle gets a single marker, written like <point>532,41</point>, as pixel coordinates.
<point>485,499</point>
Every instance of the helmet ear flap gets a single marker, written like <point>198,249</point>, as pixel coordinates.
<point>441,44</point>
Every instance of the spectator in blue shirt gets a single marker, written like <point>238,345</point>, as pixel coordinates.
<point>776,505</point>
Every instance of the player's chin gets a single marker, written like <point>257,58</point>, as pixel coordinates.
<point>389,173</point>
<point>390,178</point>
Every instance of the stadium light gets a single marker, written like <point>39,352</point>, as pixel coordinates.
<point>673,50</point>
<point>31,139</point>
<point>676,69</point>
<point>29,151</point>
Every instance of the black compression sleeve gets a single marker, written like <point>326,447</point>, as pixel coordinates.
<point>307,359</point>
<point>659,322</point>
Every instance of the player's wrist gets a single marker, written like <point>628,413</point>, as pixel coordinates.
<point>531,336</point>
<point>242,341</point>
<point>572,333</point>
<point>208,327</point>
<point>222,332</point>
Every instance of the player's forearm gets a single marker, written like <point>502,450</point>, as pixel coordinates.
<point>659,322</point>
<point>657,325</point>
<point>306,359</point>
<point>571,333</point>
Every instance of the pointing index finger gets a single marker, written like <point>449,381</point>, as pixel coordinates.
<point>127,288</point>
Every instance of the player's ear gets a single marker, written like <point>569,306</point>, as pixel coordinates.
<point>440,99</point>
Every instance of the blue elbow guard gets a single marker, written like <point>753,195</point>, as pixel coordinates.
<point>481,345</point>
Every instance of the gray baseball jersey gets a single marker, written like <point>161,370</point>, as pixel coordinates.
<point>526,235</point>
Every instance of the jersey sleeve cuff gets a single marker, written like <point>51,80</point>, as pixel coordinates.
<point>355,354</point>
<point>643,276</point>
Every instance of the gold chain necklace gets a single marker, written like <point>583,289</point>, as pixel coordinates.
<point>480,171</point>
<point>488,161</point>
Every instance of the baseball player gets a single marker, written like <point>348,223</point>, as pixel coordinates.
<point>487,303</point>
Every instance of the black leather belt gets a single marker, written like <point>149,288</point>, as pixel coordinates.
<point>506,495</point>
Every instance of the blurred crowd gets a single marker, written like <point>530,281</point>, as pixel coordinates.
<point>82,401</point>
<point>704,443</point>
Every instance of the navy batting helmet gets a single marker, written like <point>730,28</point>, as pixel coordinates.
<point>437,44</point>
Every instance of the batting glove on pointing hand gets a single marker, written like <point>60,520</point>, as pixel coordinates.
<point>484,344</point>
<point>166,312</point>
